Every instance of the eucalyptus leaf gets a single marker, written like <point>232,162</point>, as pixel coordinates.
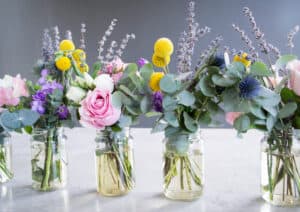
<point>242,123</point>
<point>146,71</point>
<point>158,127</point>
<point>283,60</point>
<point>145,104</point>
<point>152,114</point>
<point>169,103</point>
<point>271,120</point>
<point>260,69</point>
<point>287,110</point>
<point>125,121</point>
<point>10,121</point>
<point>186,98</point>
<point>168,84</point>
<point>189,122</point>
<point>205,85</point>
<point>257,111</point>
<point>117,99</point>
<point>222,81</point>
<point>171,118</point>
<point>28,117</point>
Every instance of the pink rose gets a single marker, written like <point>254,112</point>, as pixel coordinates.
<point>294,68</point>
<point>232,116</point>
<point>97,110</point>
<point>20,87</point>
<point>115,69</point>
<point>7,98</point>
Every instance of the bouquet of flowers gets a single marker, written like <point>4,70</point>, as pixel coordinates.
<point>13,117</point>
<point>182,105</point>
<point>60,62</point>
<point>265,96</point>
<point>108,100</point>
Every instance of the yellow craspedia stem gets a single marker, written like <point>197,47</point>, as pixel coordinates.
<point>160,61</point>
<point>83,67</point>
<point>79,55</point>
<point>154,80</point>
<point>66,45</point>
<point>63,63</point>
<point>243,59</point>
<point>163,47</point>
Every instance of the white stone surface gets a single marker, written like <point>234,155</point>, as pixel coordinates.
<point>232,171</point>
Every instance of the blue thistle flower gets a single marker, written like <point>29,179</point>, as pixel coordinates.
<point>219,61</point>
<point>249,87</point>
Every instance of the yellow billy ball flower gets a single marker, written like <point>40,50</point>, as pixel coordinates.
<point>160,61</point>
<point>155,79</point>
<point>79,55</point>
<point>83,67</point>
<point>243,59</point>
<point>163,47</point>
<point>63,63</point>
<point>66,45</point>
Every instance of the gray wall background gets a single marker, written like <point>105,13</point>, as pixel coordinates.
<point>22,23</point>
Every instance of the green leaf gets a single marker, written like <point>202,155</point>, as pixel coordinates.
<point>168,84</point>
<point>223,82</point>
<point>132,109</point>
<point>158,127</point>
<point>242,123</point>
<point>152,114</point>
<point>236,70</point>
<point>96,68</point>
<point>186,98</point>
<point>287,110</point>
<point>283,60</point>
<point>288,95</point>
<point>117,99</point>
<point>146,72</point>
<point>270,122</point>
<point>169,103</point>
<point>189,122</point>
<point>205,86</point>
<point>28,117</point>
<point>296,122</point>
<point>145,104</point>
<point>169,131</point>
<point>128,92</point>
<point>257,111</point>
<point>125,121</point>
<point>171,118</point>
<point>260,69</point>
<point>10,121</point>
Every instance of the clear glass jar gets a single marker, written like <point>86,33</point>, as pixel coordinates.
<point>280,168</point>
<point>48,159</point>
<point>183,165</point>
<point>114,163</point>
<point>5,157</point>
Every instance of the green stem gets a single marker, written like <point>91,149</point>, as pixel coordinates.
<point>48,161</point>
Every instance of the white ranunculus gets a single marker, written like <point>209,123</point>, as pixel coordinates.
<point>104,82</point>
<point>85,81</point>
<point>76,94</point>
<point>88,79</point>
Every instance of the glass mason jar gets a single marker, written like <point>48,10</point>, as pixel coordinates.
<point>280,168</point>
<point>48,159</point>
<point>114,163</point>
<point>183,165</point>
<point>5,157</point>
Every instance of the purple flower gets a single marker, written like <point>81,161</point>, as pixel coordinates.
<point>157,98</point>
<point>44,73</point>
<point>141,62</point>
<point>37,106</point>
<point>49,87</point>
<point>39,96</point>
<point>62,112</point>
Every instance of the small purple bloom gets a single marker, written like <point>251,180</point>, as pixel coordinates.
<point>38,107</point>
<point>157,98</point>
<point>62,112</point>
<point>141,62</point>
<point>49,87</point>
<point>39,96</point>
<point>44,73</point>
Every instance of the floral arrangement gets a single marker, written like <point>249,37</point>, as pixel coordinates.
<point>180,102</point>
<point>13,115</point>
<point>265,96</point>
<point>60,63</point>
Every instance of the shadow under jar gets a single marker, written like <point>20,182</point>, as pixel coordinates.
<point>6,173</point>
<point>114,163</point>
<point>280,168</point>
<point>183,166</point>
<point>48,159</point>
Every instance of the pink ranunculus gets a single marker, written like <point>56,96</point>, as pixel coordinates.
<point>115,66</point>
<point>97,110</point>
<point>232,116</point>
<point>7,98</point>
<point>116,77</point>
<point>20,87</point>
<point>294,69</point>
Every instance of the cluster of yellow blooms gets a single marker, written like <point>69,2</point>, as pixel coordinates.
<point>63,62</point>
<point>243,59</point>
<point>163,49</point>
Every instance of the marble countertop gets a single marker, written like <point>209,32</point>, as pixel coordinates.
<point>232,177</point>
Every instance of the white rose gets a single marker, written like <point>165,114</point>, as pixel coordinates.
<point>6,82</point>
<point>104,82</point>
<point>85,81</point>
<point>88,79</point>
<point>76,94</point>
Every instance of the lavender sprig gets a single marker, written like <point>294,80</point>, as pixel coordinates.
<point>110,51</point>
<point>291,35</point>
<point>124,44</point>
<point>207,52</point>
<point>82,38</point>
<point>47,46</point>
<point>247,40</point>
<point>56,38</point>
<point>68,35</point>
<point>104,39</point>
